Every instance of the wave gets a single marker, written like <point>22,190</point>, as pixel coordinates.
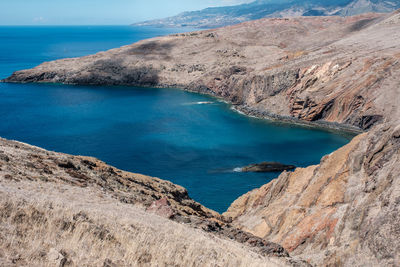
<point>199,103</point>
<point>223,170</point>
<point>238,169</point>
<point>243,113</point>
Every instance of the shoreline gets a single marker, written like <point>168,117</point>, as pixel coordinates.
<point>242,109</point>
<point>276,118</point>
<point>265,115</point>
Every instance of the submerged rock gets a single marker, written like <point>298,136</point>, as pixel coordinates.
<point>268,167</point>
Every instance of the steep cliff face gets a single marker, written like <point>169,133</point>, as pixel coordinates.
<point>308,69</point>
<point>64,210</point>
<point>344,211</point>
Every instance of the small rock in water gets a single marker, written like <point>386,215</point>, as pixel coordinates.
<point>268,167</point>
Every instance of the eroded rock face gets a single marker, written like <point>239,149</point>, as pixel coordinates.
<point>344,211</point>
<point>311,69</point>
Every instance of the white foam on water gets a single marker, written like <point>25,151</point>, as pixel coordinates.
<point>198,103</point>
<point>238,169</point>
<point>242,113</point>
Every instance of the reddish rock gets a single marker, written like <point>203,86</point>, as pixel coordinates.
<point>162,208</point>
<point>341,212</point>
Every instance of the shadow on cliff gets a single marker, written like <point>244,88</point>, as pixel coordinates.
<point>114,71</point>
<point>117,71</point>
<point>152,50</point>
<point>363,24</point>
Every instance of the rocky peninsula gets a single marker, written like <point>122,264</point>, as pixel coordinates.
<point>330,71</point>
<point>308,69</point>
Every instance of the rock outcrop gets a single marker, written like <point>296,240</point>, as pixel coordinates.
<point>267,167</point>
<point>343,212</point>
<point>309,69</point>
<point>63,210</point>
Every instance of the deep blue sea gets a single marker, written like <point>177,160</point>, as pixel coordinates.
<point>167,133</point>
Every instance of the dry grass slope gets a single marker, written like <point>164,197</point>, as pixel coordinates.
<point>44,224</point>
<point>63,210</point>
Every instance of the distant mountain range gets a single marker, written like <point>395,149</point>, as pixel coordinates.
<point>228,15</point>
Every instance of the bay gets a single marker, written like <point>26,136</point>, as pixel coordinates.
<point>190,139</point>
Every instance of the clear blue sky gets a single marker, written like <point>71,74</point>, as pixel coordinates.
<point>98,12</point>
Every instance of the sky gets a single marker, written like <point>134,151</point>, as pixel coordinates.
<point>97,12</point>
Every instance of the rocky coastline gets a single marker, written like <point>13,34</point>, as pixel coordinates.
<point>326,72</point>
<point>344,128</point>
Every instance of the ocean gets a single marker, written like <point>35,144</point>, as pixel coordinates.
<point>193,140</point>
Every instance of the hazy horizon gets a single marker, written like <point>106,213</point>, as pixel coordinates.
<point>100,12</point>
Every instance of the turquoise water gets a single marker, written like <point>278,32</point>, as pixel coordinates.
<point>190,139</point>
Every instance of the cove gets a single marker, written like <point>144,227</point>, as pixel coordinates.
<point>190,139</point>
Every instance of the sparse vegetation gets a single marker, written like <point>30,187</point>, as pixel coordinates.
<point>44,224</point>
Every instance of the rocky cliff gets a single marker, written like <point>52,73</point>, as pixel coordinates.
<point>344,211</point>
<point>329,69</point>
